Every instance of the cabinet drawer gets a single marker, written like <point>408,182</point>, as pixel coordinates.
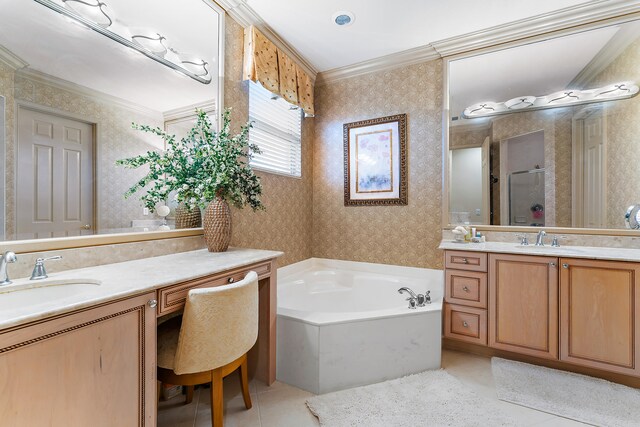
<point>466,287</point>
<point>470,261</point>
<point>172,298</point>
<point>465,324</point>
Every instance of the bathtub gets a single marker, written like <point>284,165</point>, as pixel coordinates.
<point>343,324</point>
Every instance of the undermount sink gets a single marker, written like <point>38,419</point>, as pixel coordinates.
<point>44,292</point>
<point>568,250</point>
<point>38,284</point>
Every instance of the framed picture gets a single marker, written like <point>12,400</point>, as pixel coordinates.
<point>375,161</point>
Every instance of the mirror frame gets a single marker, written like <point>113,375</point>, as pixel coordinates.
<point>512,42</point>
<point>39,245</point>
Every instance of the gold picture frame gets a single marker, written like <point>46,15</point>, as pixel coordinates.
<point>375,162</point>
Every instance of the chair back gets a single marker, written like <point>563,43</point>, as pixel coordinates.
<point>219,325</point>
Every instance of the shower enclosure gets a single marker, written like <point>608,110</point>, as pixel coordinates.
<point>526,198</point>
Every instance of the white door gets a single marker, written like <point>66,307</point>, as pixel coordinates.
<point>594,176</point>
<point>54,176</point>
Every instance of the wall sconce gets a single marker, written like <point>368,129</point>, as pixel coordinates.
<point>562,98</point>
<point>92,14</point>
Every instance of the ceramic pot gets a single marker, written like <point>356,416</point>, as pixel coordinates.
<point>217,225</point>
<point>188,218</point>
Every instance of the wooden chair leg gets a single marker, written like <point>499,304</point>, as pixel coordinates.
<point>189,389</point>
<point>217,406</point>
<point>244,383</point>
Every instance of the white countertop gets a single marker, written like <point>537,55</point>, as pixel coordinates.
<point>116,281</point>
<point>613,254</point>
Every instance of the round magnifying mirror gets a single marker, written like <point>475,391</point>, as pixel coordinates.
<point>632,217</point>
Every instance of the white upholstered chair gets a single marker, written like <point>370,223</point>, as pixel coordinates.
<point>219,326</point>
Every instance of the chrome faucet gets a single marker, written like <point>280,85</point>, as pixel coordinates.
<point>540,238</point>
<point>39,272</point>
<point>419,300</point>
<point>7,258</point>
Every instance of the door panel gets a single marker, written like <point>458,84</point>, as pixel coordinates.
<point>599,318</point>
<point>54,176</point>
<point>523,304</point>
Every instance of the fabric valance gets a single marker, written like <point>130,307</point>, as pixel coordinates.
<point>264,63</point>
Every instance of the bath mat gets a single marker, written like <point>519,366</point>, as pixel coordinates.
<point>579,397</point>
<point>431,398</point>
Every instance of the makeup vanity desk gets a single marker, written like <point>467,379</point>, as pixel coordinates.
<point>84,353</point>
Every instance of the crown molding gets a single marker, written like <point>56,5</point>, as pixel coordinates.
<point>40,77</point>
<point>244,14</point>
<point>387,62</point>
<point>614,48</point>
<point>11,59</point>
<point>189,111</point>
<point>563,19</point>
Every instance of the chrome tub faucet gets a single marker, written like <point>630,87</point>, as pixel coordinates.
<point>8,258</point>
<point>540,238</point>
<point>419,300</point>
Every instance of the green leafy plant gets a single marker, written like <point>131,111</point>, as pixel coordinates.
<point>200,167</point>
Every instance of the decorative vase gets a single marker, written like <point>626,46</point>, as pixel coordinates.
<point>188,218</point>
<point>217,225</point>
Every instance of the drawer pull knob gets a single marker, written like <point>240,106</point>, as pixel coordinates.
<point>466,261</point>
<point>153,303</point>
<point>231,280</point>
<point>552,264</point>
<point>466,289</point>
<point>565,265</point>
<point>465,324</point>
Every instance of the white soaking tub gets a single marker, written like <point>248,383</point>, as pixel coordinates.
<point>343,324</point>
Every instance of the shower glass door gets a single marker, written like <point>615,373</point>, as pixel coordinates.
<point>526,198</point>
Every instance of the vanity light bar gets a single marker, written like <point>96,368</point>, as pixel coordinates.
<point>562,98</point>
<point>100,28</point>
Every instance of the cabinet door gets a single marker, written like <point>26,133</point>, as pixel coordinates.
<point>94,367</point>
<point>523,304</point>
<point>599,309</point>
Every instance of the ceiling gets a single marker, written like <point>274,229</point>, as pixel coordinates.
<point>383,27</point>
<point>53,45</point>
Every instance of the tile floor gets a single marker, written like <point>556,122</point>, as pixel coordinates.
<point>284,406</point>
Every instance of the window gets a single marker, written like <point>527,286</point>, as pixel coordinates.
<point>276,130</point>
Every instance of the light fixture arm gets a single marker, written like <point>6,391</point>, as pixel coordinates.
<point>118,38</point>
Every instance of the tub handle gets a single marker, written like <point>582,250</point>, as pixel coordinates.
<point>465,324</point>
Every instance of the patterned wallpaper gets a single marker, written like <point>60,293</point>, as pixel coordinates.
<point>462,136</point>
<point>115,140</point>
<point>286,224</point>
<point>6,90</point>
<point>623,133</point>
<point>404,235</point>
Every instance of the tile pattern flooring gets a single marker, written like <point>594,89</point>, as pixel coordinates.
<point>284,406</point>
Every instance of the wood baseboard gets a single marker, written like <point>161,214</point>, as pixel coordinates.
<point>449,344</point>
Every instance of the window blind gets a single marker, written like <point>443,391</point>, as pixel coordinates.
<point>277,128</point>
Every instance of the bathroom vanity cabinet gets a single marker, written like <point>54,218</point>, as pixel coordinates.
<point>95,363</point>
<point>600,314</point>
<point>90,367</point>
<point>572,312</point>
<point>523,304</point>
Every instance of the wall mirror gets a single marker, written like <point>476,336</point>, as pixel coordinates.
<point>74,75</point>
<point>546,134</point>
